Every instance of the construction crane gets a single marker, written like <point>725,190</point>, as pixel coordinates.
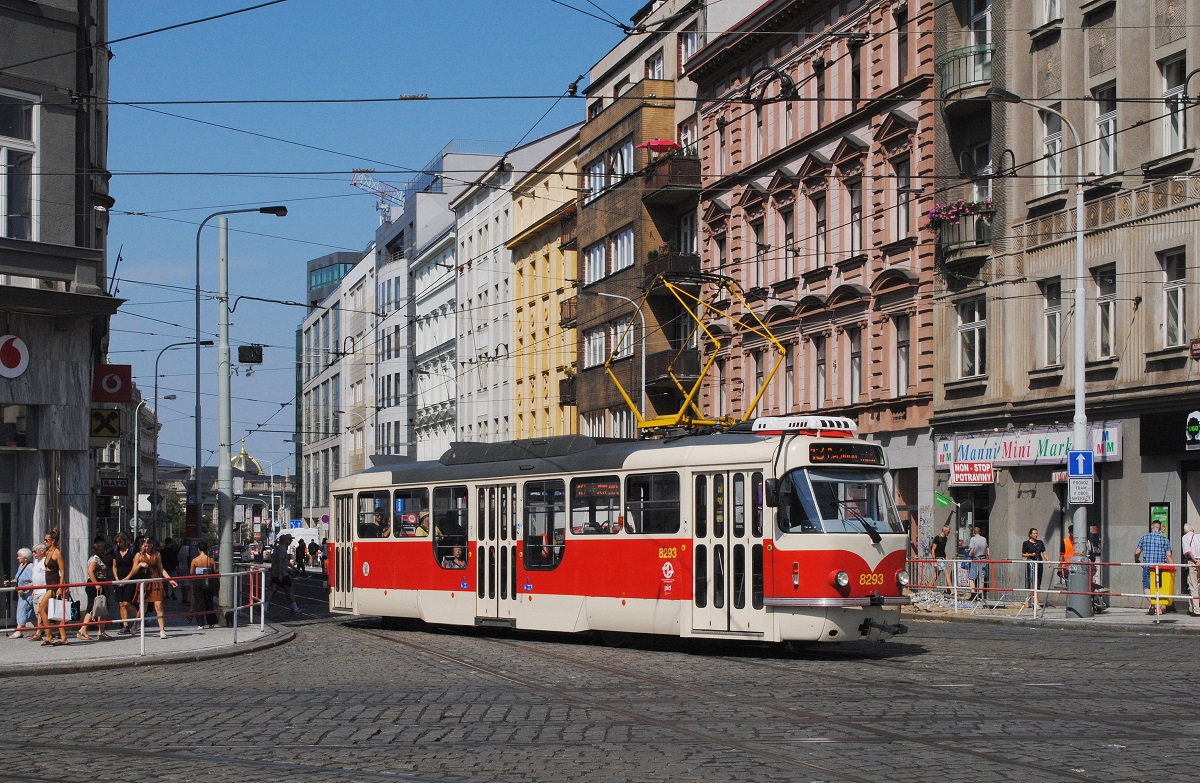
<point>386,195</point>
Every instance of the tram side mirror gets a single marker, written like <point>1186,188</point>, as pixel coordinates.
<point>771,493</point>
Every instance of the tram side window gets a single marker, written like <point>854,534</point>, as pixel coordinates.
<point>596,505</point>
<point>545,523</point>
<point>411,517</point>
<point>796,513</point>
<point>450,526</point>
<point>652,503</point>
<point>374,515</point>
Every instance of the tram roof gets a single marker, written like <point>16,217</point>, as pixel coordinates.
<point>568,455</point>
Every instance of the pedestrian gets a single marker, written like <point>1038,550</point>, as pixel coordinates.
<point>202,589</point>
<point>126,594</point>
<point>171,561</point>
<point>185,561</point>
<point>56,569</point>
<point>314,553</point>
<point>938,551</point>
<point>1191,556</point>
<point>147,565</point>
<point>301,555</point>
<point>23,581</point>
<point>39,585</point>
<point>97,605</point>
<point>1066,551</point>
<point>977,548</point>
<point>1033,552</point>
<point>280,578</point>
<point>1153,549</point>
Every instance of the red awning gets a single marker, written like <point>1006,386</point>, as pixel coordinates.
<point>659,145</point>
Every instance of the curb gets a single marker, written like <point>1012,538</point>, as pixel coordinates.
<point>275,640</point>
<point>1061,624</point>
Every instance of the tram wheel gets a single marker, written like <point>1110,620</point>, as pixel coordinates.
<point>614,639</point>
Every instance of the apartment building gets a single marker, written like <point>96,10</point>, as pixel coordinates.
<point>817,161</point>
<point>54,305</point>
<point>1117,73</point>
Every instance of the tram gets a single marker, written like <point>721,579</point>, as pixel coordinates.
<point>778,529</point>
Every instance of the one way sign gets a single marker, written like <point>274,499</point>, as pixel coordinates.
<point>1080,465</point>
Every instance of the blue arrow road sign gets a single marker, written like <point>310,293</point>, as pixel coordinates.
<point>1079,465</point>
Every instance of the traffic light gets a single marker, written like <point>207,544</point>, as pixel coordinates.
<point>250,354</point>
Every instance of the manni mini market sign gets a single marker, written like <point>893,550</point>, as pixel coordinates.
<point>1036,446</point>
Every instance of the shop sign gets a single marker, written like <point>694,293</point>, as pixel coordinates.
<point>968,473</point>
<point>1037,446</point>
<point>114,487</point>
<point>1170,433</point>
<point>14,356</point>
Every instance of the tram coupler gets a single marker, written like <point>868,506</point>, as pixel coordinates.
<point>873,629</point>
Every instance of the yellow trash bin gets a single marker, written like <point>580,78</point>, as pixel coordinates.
<point>1162,586</point>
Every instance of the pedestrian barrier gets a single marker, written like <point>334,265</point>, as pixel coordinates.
<point>994,585</point>
<point>249,581</point>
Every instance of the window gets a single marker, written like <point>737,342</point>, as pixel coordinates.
<point>903,197</point>
<point>374,509</point>
<point>722,388</point>
<point>654,65</point>
<point>821,226</point>
<point>1050,11</point>
<point>1051,152</point>
<point>596,258</point>
<point>594,352</point>
<point>978,167</point>
<point>689,41</point>
<point>972,338</point>
<point>787,226</point>
<point>689,134</point>
<point>855,337</point>
<point>1174,123</point>
<point>410,515</point>
<point>856,216</point>
<point>789,380</point>
<point>1106,310</point>
<point>652,503</point>
<point>789,120</point>
<point>855,76</point>
<point>720,147</point>
<point>17,152</point>
<point>596,505</point>
<point>621,337</point>
<point>594,179</point>
<point>1106,128</point>
<point>1174,298</point>
<point>623,249</point>
<point>1051,320</point>
<point>758,271</point>
<point>594,109</point>
<point>545,523</point>
<point>450,526</point>
<point>901,18</point>
<point>903,342</point>
<point>756,362</point>
<point>820,88</point>
<point>595,262</point>
<point>620,161</point>
<point>819,374</point>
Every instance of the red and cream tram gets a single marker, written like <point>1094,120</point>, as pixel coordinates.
<point>776,530</point>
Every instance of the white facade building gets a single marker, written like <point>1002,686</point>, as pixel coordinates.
<point>434,347</point>
<point>392,338</point>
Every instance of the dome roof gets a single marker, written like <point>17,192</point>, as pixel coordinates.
<point>245,463</point>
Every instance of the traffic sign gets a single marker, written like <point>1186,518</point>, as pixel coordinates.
<point>155,498</point>
<point>1080,465</point>
<point>1080,491</point>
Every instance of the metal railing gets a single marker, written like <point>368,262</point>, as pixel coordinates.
<point>962,68</point>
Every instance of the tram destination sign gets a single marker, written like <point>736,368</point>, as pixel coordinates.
<point>826,452</point>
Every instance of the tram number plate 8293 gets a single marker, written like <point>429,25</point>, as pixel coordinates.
<point>668,552</point>
<point>870,579</point>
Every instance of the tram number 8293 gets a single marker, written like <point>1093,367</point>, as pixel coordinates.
<point>668,552</point>
<point>870,579</point>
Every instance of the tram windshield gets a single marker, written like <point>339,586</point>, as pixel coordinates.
<point>836,500</point>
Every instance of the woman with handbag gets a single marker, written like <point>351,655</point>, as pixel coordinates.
<point>23,582</point>
<point>56,569</point>
<point>97,606</point>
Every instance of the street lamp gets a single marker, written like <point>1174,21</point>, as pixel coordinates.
<point>135,520</point>
<point>1078,581</point>
<point>642,317</point>
<point>225,467</point>
<point>154,516</point>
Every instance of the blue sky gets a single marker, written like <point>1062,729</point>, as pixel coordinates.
<point>171,169</point>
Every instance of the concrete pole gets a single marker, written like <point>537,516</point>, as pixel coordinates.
<point>225,430</point>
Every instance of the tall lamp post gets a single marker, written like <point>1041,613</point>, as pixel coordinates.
<point>645,410</point>
<point>160,354</point>
<point>225,467</point>
<point>135,520</point>
<point>1079,603</point>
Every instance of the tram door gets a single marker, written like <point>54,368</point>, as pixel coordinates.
<point>496,552</point>
<point>343,553</point>
<point>728,553</point>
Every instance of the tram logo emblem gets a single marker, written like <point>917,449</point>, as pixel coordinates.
<point>668,569</point>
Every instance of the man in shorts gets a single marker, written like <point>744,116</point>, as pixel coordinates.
<point>938,551</point>
<point>280,578</point>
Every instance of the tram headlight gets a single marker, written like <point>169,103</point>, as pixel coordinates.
<point>902,578</point>
<point>839,579</point>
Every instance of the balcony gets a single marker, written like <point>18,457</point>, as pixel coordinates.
<point>678,268</point>
<point>684,364</point>
<point>965,73</point>
<point>968,231</point>
<point>568,230</point>
<point>566,391</point>
<point>672,180</point>
<point>568,312</point>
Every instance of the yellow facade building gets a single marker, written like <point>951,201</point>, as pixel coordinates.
<point>545,268</point>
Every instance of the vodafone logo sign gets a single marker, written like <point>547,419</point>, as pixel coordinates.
<point>14,356</point>
<point>111,383</point>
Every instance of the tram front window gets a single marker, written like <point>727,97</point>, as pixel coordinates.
<point>836,500</point>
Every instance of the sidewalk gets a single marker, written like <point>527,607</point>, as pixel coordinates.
<point>184,643</point>
<point>1055,616</point>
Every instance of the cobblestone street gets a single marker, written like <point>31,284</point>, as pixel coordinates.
<point>353,702</point>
